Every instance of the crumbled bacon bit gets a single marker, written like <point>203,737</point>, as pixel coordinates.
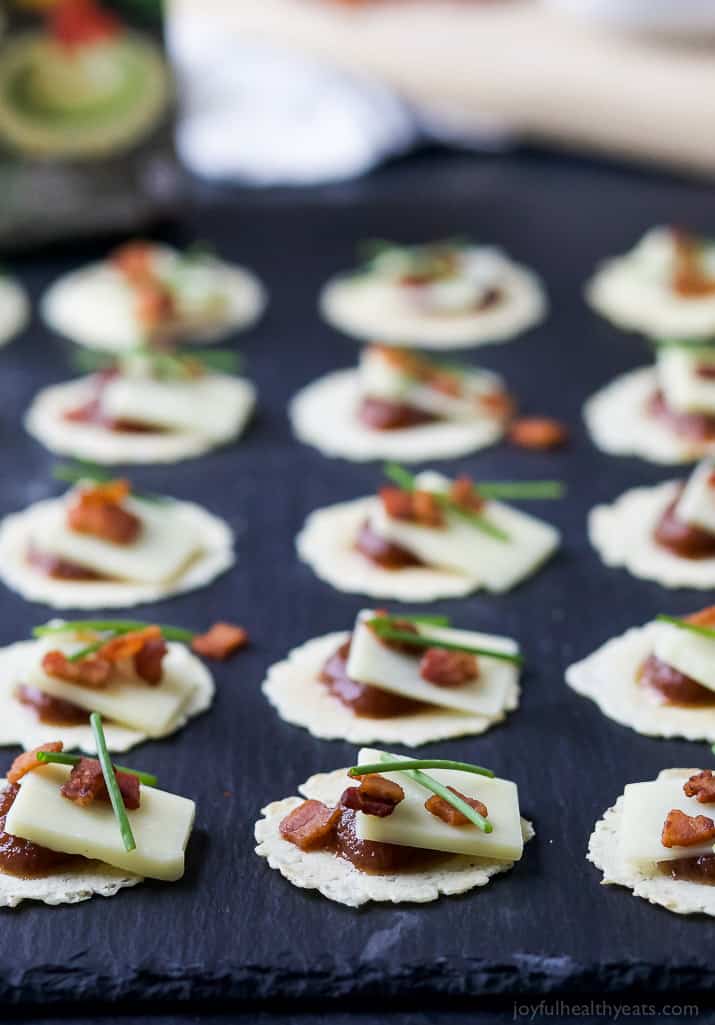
<point>463,492</point>
<point>85,784</point>
<point>690,279</point>
<point>128,645</point>
<point>681,830</point>
<point>375,796</point>
<point>27,761</point>
<point>701,786</point>
<point>221,641</point>
<point>98,511</point>
<point>442,809</point>
<point>135,260</point>
<point>81,22</point>
<point>154,303</point>
<point>538,432</point>
<point>705,617</point>
<point>148,661</point>
<point>310,826</point>
<point>417,506</point>
<point>93,671</point>
<point>446,668</point>
<point>404,626</point>
<point>419,369</point>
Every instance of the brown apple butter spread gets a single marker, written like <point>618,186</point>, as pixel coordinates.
<point>684,539</point>
<point>700,869</point>
<point>51,710</point>
<point>383,553</point>
<point>91,412</point>
<point>364,700</point>
<point>59,569</point>
<point>384,415</point>
<point>22,857</point>
<point>673,687</point>
<point>695,426</point>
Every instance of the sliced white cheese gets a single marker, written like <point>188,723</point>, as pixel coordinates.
<point>461,547</point>
<point>207,405</point>
<point>161,826</point>
<point>685,391</point>
<point>696,504</point>
<point>167,542</point>
<point>372,662</point>
<point>127,700</point>
<point>411,825</point>
<point>690,653</point>
<point>645,807</point>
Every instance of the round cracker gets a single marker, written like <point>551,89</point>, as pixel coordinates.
<point>19,724</point>
<point>14,309</point>
<point>619,423</point>
<point>339,880</point>
<point>326,543</point>
<point>677,895</point>
<point>215,557</point>
<point>294,689</point>
<point>622,533</point>
<point>72,307</point>
<point>45,421</point>
<point>609,677</point>
<point>366,308</point>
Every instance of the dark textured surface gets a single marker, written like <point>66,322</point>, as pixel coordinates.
<point>233,929</point>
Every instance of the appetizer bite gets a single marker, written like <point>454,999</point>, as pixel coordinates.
<point>659,678</point>
<point>398,833</point>
<point>103,545</point>
<point>143,678</point>
<point>448,294</point>
<point>427,537</point>
<point>151,291</point>
<point>14,309</point>
<point>658,841</point>
<point>144,406</point>
<point>665,413</point>
<point>664,533</point>
<point>397,679</point>
<point>72,827</point>
<point>398,405</point>
<point>665,286</point>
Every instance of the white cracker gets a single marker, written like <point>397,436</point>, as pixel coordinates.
<point>368,308</point>
<point>608,677</point>
<point>69,307</point>
<point>45,421</point>
<point>639,303</point>
<point>622,533</point>
<point>340,881</point>
<point>216,556</point>
<point>19,724</point>
<point>14,309</point>
<point>67,885</point>
<point>294,689</point>
<point>619,422</point>
<point>678,895</point>
<point>323,414</point>
<point>326,544</point>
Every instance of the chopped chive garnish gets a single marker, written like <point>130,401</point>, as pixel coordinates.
<point>431,620</point>
<point>400,476</point>
<point>704,631</point>
<point>115,626</point>
<point>385,630</point>
<point>60,758</point>
<point>84,652</point>
<point>110,779</point>
<point>521,489</point>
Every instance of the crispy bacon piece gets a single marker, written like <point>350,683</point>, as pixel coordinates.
<point>701,786</point>
<point>135,260</point>
<point>221,641</point>
<point>442,809</point>
<point>375,796</point>
<point>538,433</point>
<point>311,825</point>
<point>93,671</point>
<point>148,661</point>
<point>463,492</point>
<point>98,511</point>
<point>81,22</point>
<point>423,370</point>
<point>446,668</point>
<point>27,761</point>
<point>681,830</point>
<point>417,506</point>
<point>128,645</point>
<point>705,617</point>
<point>154,303</point>
<point>690,279</point>
<point>85,784</point>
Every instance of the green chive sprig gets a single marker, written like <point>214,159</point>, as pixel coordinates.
<point>682,624</point>
<point>110,628</point>
<point>164,363</point>
<point>62,758</point>
<point>110,779</point>
<point>383,628</point>
<point>76,472</point>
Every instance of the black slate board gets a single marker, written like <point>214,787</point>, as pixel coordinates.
<point>233,929</point>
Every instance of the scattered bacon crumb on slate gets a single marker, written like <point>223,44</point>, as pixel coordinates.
<point>85,784</point>
<point>98,511</point>
<point>448,668</point>
<point>701,786</point>
<point>464,493</point>
<point>417,506</point>
<point>375,796</point>
<point>442,809</point>
<point>27,761</point>
<point>538,432</point>
<point>311,825</point>
<point>705,617</point>
<point>93,671</point>
<point>221,641</point>
<point>681,830</point>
